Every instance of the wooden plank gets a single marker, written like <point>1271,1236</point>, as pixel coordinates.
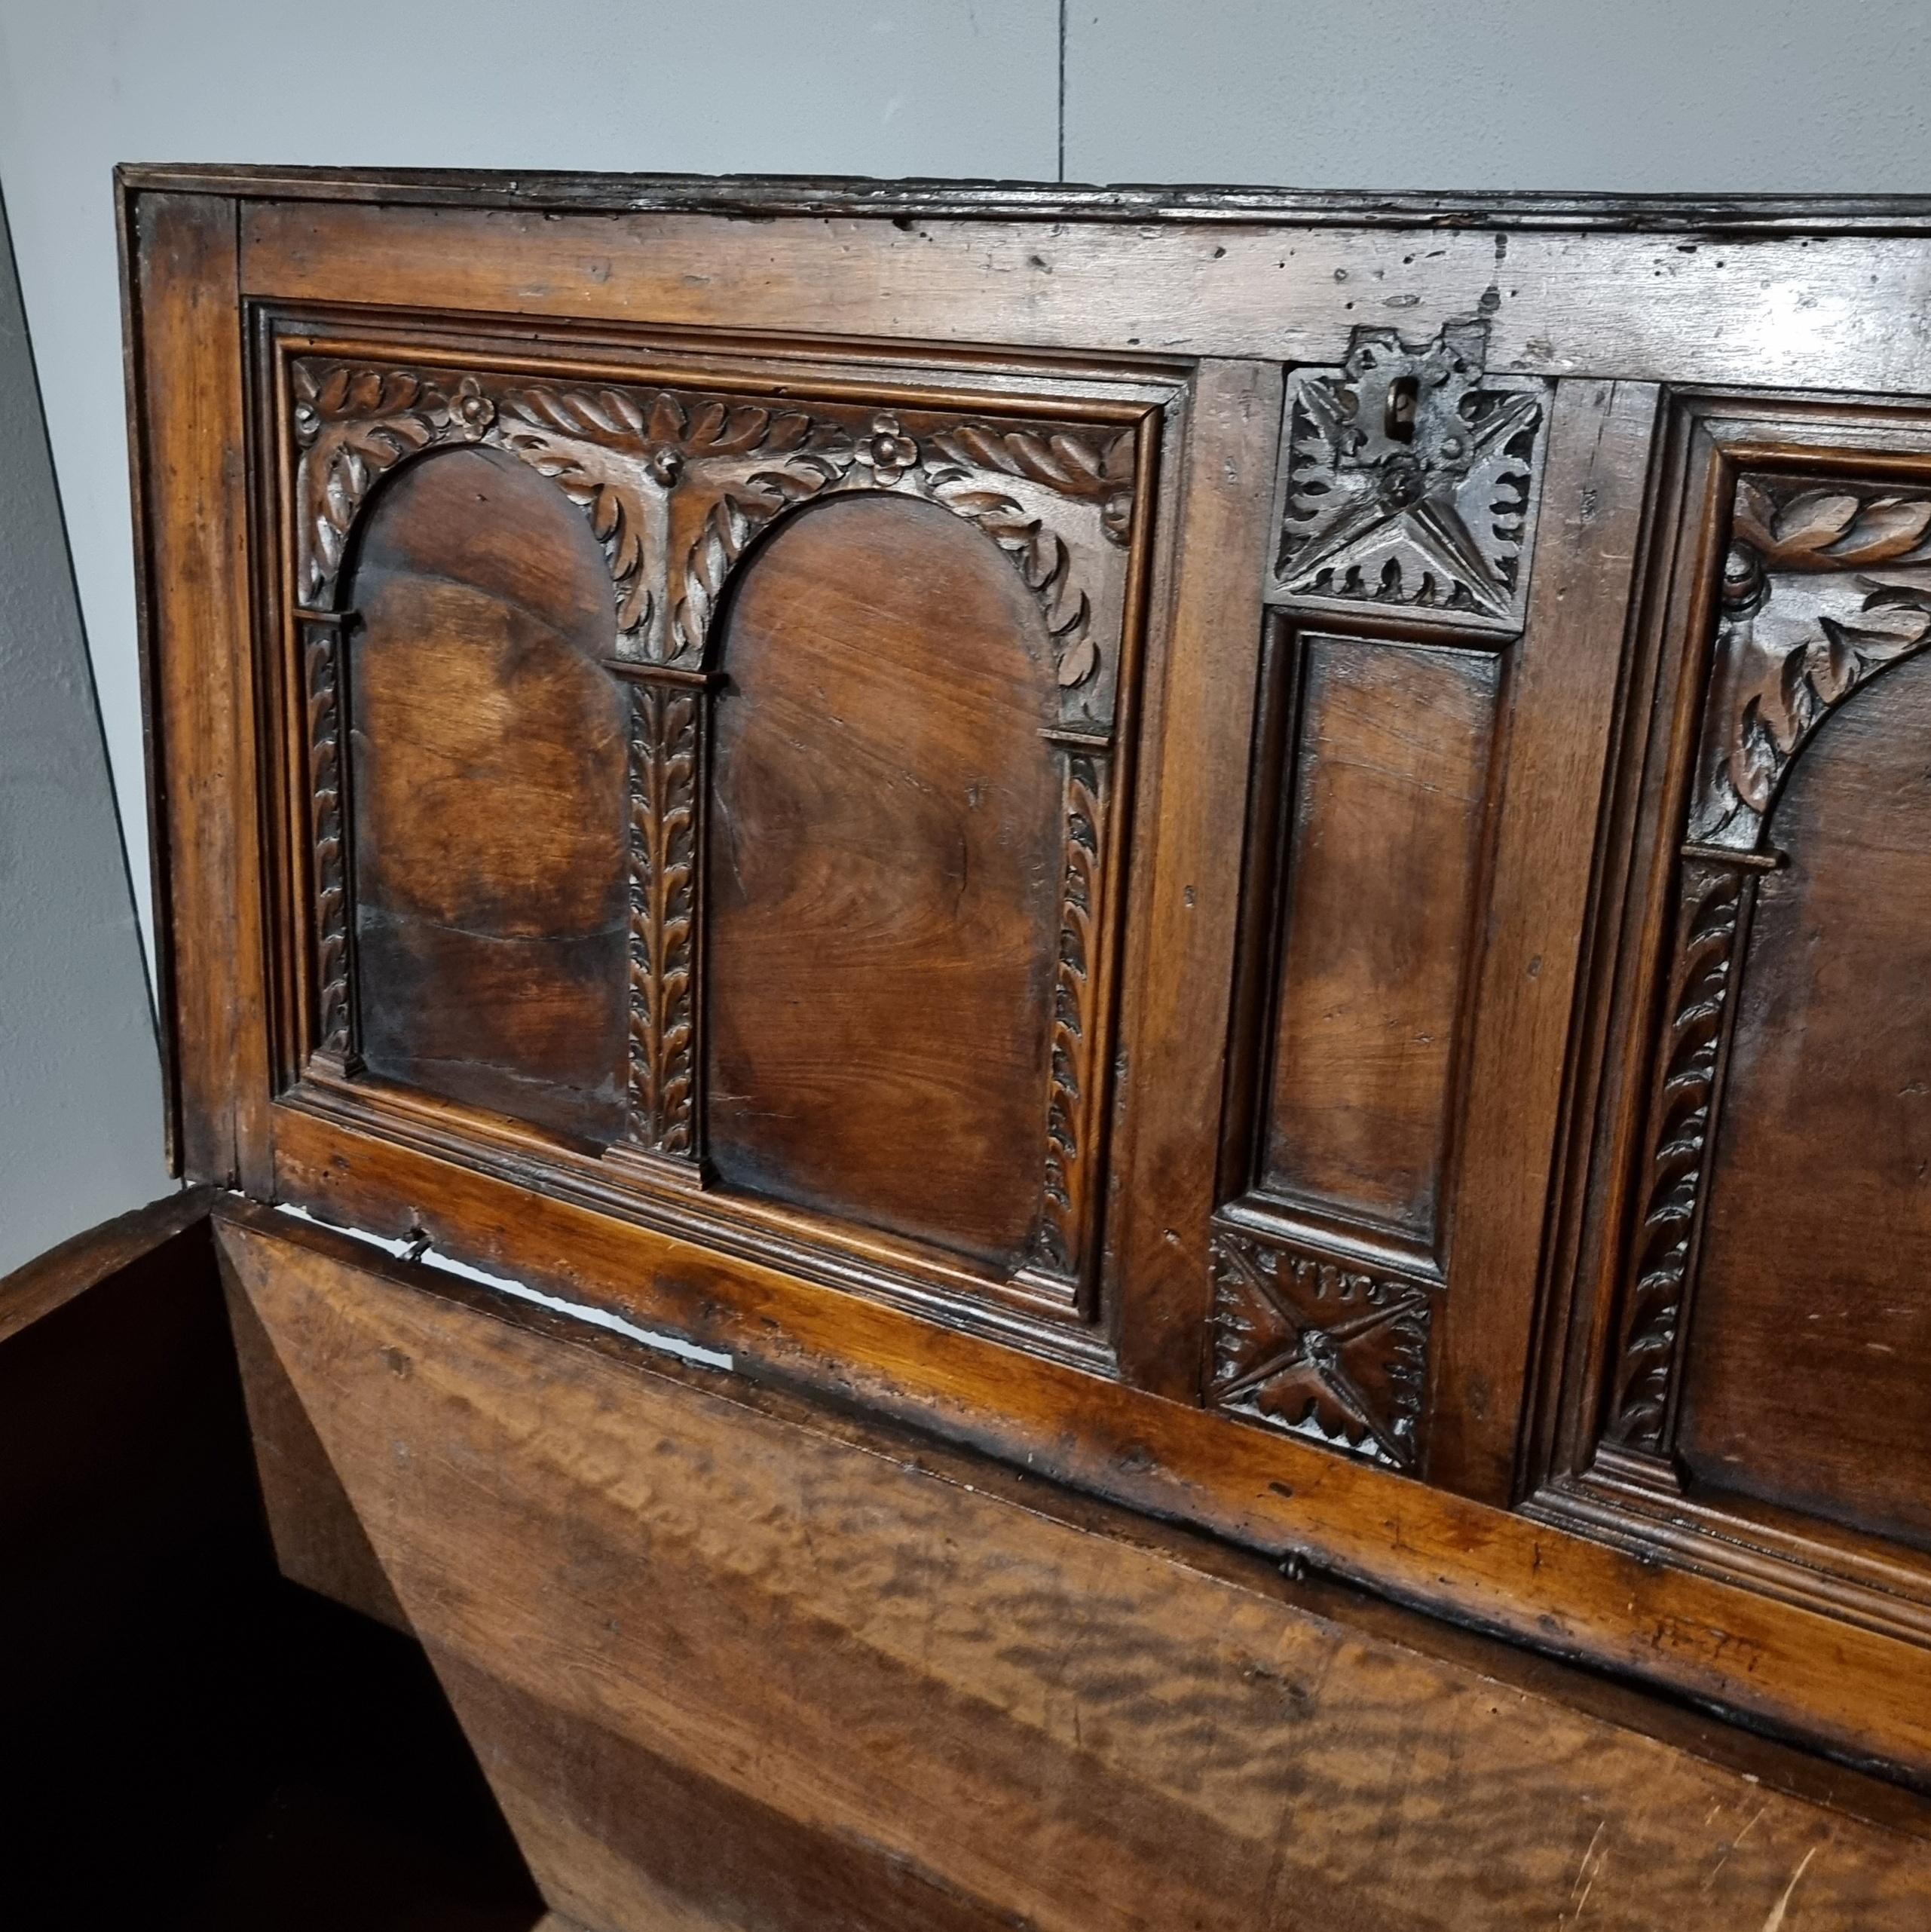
<point>50,1280</point>
<point>185,327</point>
<point>1559,303</point>
<point>730,1663</point>
<point>1186,869</point>
<point>318,1542</point>
<point>767,195</point>
<point>1564,691</point>
<point>1502,1572</point>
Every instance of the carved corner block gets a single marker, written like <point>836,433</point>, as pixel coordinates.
<point>1409,482</point>
<point>1330,1353</point>
<point>1825,586</point>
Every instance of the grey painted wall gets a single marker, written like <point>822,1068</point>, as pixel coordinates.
<point>852,87</point>
<point>79,1083</point>
<point>1634,94</point>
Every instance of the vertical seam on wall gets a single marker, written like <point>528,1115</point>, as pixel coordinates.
<point>1062,109</point>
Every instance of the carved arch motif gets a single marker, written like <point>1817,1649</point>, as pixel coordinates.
<point>1825,588</point>
<point>678,485</point>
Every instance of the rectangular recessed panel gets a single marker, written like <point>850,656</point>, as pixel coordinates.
<point>1381,833</point>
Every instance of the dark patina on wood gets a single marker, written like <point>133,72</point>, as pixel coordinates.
<point>1260,850</point>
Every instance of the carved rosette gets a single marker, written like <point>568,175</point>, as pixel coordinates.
<point>1332,1354</point>
<point>1824,588</point>
<point>677,487</point>
<point>1409,482</point>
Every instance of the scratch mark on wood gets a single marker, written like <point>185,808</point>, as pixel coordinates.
<point>1774,1922</point>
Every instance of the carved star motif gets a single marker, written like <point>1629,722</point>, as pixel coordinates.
<point>1328,1353</point>
<point>1437,523</point>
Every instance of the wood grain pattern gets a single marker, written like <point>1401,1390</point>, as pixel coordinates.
<point>1497,1570</point>
<point>1680,306</point>
<point>1805,1380</point>
<point>878,1694</point>
<point>489,867</point>
<point>1571,665</point>
<point>1186,878</point>
<point>186,360</point>
<point>883,880</point>
<point>1385,836</point>
<point>936,866</point>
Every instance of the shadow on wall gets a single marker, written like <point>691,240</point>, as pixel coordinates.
<point>80,1073</point>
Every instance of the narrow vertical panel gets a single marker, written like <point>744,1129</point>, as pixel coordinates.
<point>1564,687</point>
<point>1186,874</point>
<point>1383,823</point>
<point>186,368</point>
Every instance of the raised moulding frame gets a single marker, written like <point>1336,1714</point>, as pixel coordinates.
<point>437,385</point>
<point>1203,301</point>
<point>1679,860</point>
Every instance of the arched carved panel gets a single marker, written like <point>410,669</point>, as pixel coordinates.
<point>1827,586</point>
<point>1804,1373</point>
<point>677,488</point>
<point>883,889</point>
<point>487,747</point>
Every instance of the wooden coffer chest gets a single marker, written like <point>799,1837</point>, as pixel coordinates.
<point>1269,855</point>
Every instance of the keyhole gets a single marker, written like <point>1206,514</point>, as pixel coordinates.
<point>1398,425</point>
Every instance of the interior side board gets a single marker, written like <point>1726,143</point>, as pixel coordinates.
<point>1266,853</point>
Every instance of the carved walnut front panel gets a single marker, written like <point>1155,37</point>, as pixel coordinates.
<point>678,486</point>
<point>1825,585</point>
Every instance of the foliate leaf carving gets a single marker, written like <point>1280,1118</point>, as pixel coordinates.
<point>335,1030</point>
<point>352,425</point>
<point>1059,1237</point>
<point>732,523</point>
<point>1067,463</point>
<point>665,760</point>
<point>1320,1348</point>
<point>1043,562</point>
<point>1831,529</point>
<point>1409,480</point>
<point>1823,588</point>
<point>1711,896</point>
<point>677,486</point>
